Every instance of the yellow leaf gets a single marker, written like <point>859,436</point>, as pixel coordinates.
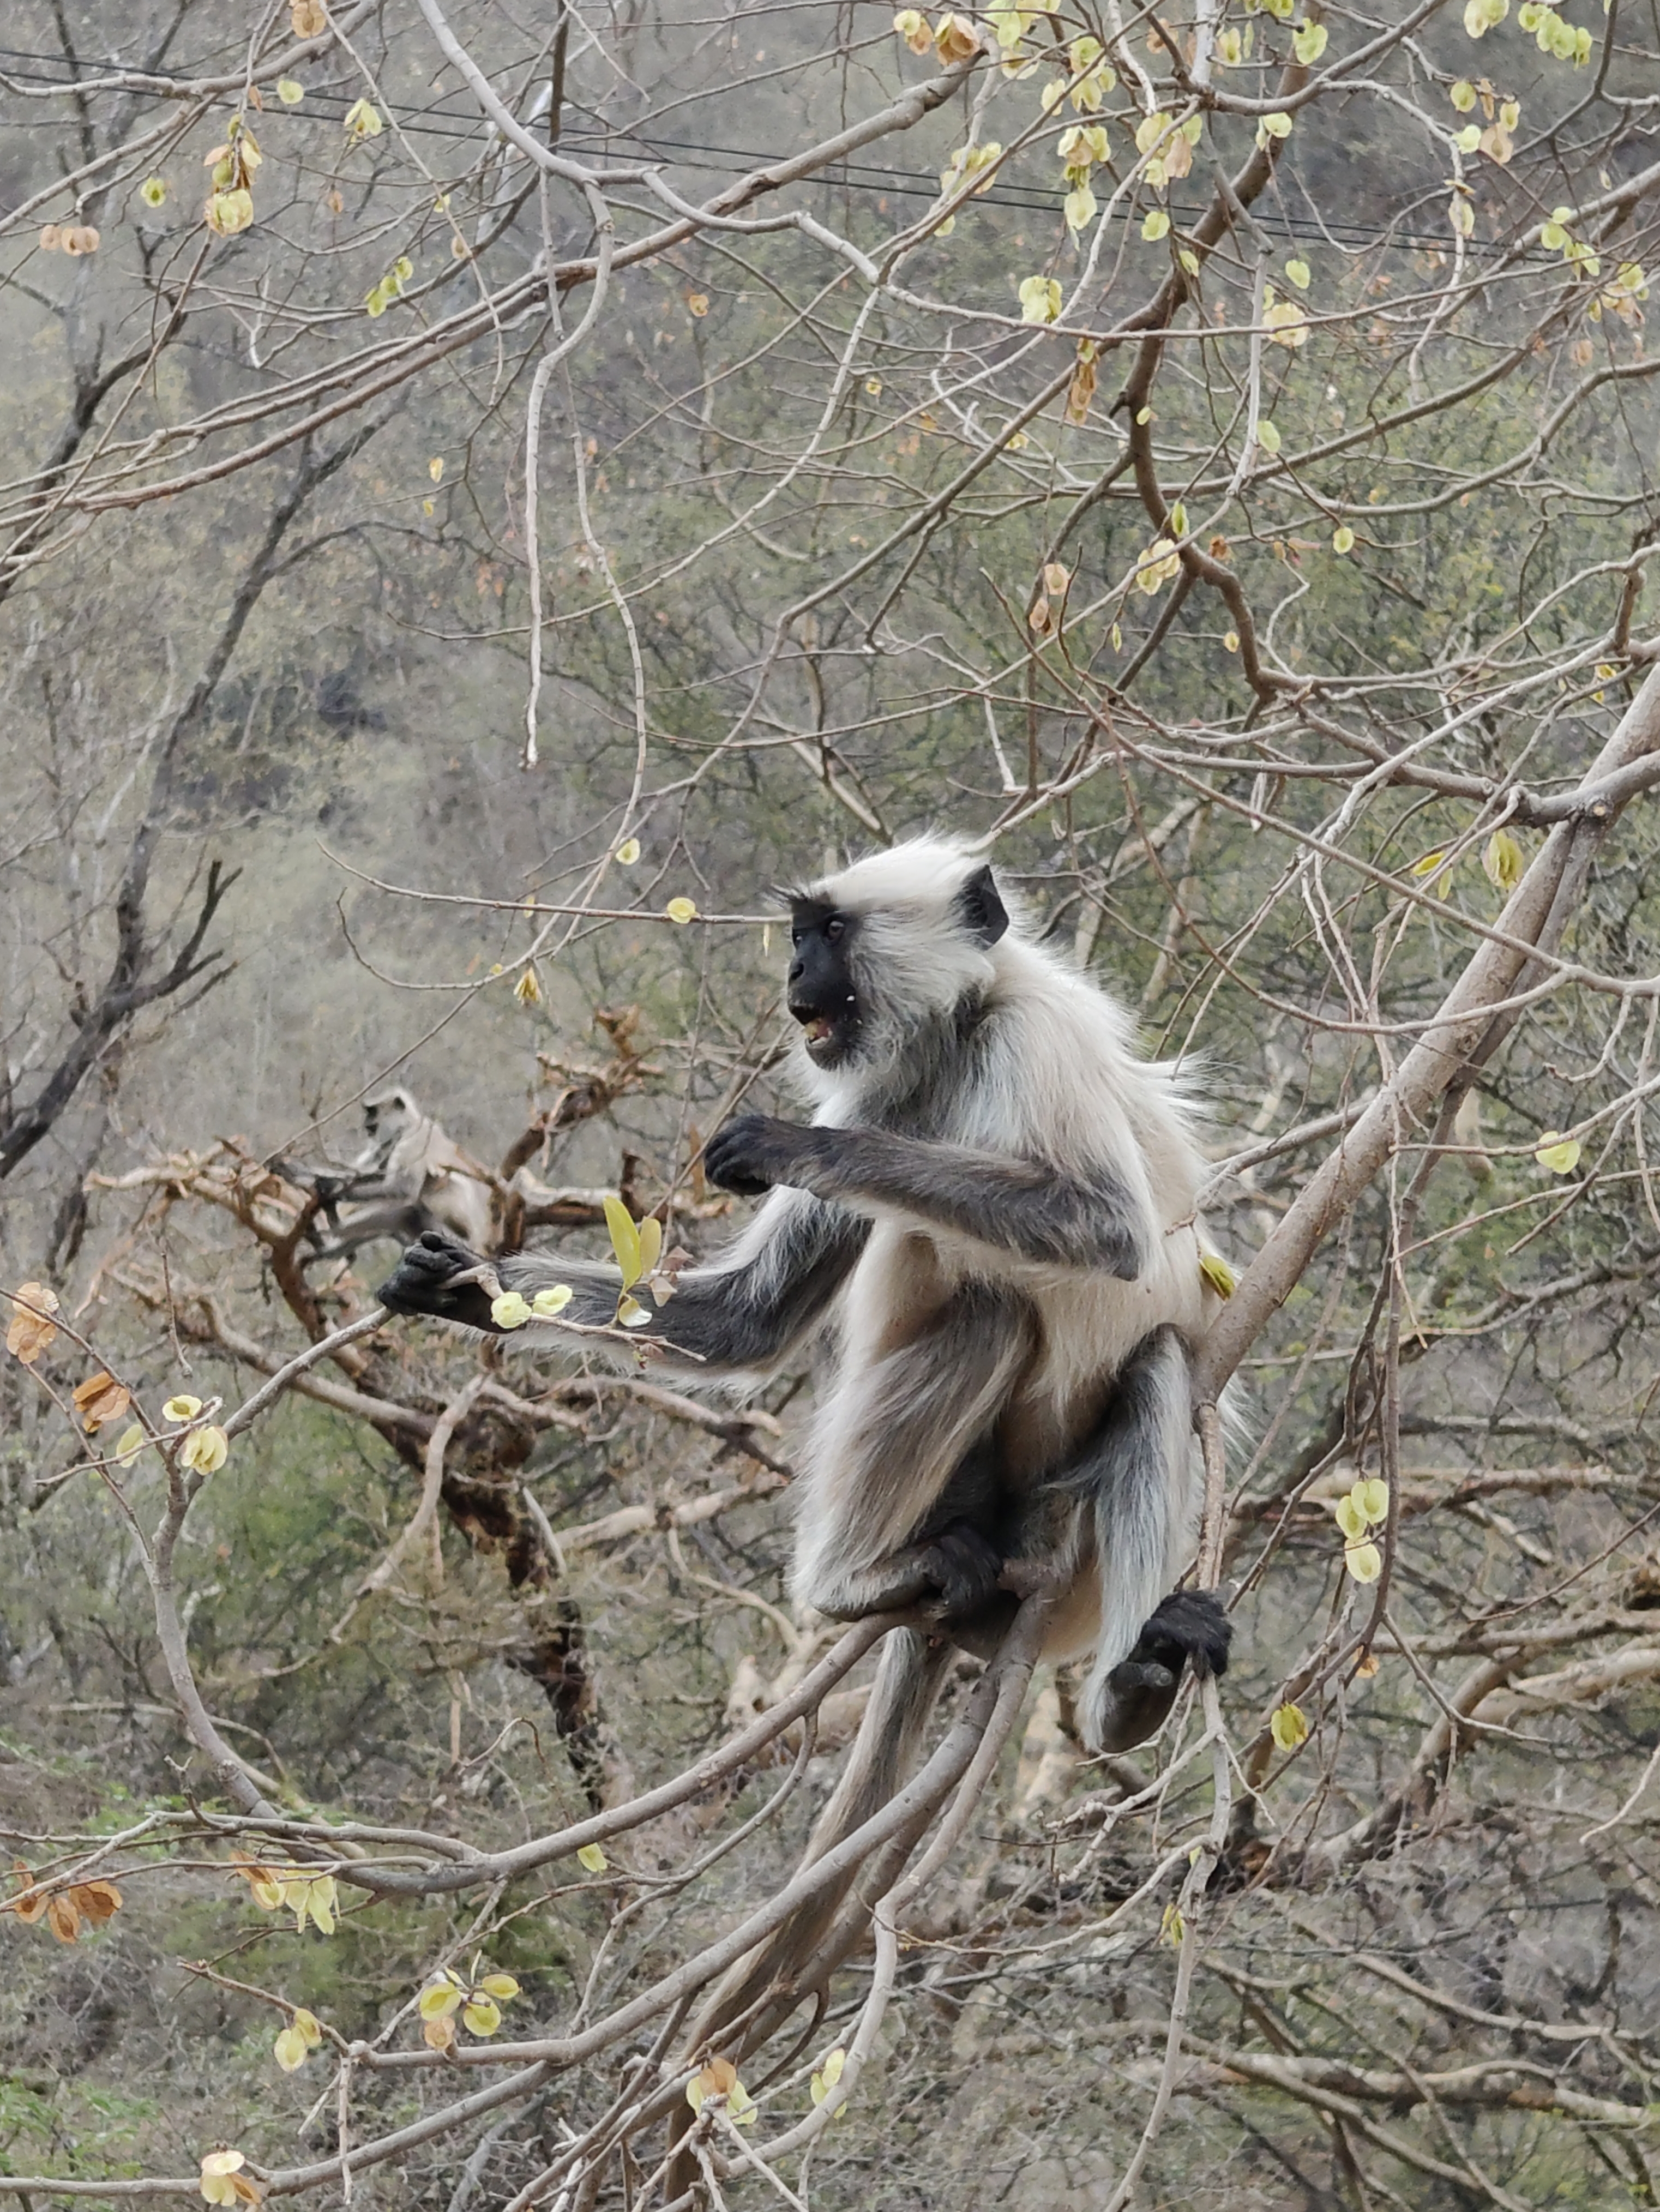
<point>363,120</point>
<point>435,468</point>
<point>1267,437</point>
<point>651,1244</point>
<point>1559,1153</point>
<point>1462,95</point>
<point>482,2014</point>
<point>873,385</point>
<point>1350,1517</point>
<point>624,1239</point>
<point>1502,858</point>
<point>697,303</point>
<point>131,1442</point>
<point>1371,1495</point>
<point>1155,225</point>
<point>1217,1274</point>
<point>1056,578</point>
<point>310,2029</point>
<point>1172,1928</point>
<point>1289,1726</point>
<point>290,91</point>
<point>218,2169</point>
<point>438,1999</point>
<point>153,192</point>
<point>681,911</point>
<point>228,213</point>
<point>205,1451</point>
<point>1366,1665</point>
<point>1040,299</point>
<point>438,2035</point>
<point>527,990</point>
<point>1298,273</point>
<point>628,852</point>
<point>510,1311</point>
<point>290,2049</point>
<point>265,1882</point>
<point>1342,539</point>
<point>631,1313</point>
<point>184,1407</point>
<point>593,1858</point>
<point>1230,640</point>
<point>554,1300</point>
<point>1428,865</point>
<point>1363,1561</point>
<point>502,1987</point>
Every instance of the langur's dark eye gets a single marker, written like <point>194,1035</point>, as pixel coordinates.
<point>836,929</point>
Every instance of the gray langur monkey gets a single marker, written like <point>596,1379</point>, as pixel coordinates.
<point>408,1178</point>
<point>994,1215</point>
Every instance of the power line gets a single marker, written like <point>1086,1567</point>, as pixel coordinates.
<point>847,175</point>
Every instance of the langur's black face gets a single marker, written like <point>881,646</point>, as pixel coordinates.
<point>823,996</point>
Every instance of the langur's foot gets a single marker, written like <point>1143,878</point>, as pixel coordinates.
<point>949,1575</point>
<point>438,1275</point>
<point>1188,1625</point>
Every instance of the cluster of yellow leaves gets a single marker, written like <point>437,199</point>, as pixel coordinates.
<point>639,1249</point>
<point>67,1910</point>
<point>390,286</point>
<point>230,203</point>
<point>528,989</point>
<point>1171,1926</point>
<point>1053,586</point>
<point>1365,1507</point>
<point>204,1451</point>
<point>954,37</point>
<point>1630,285</point>
<point>308,1896</point>
<point>1481,16</point>
<point>510,1311</point>
<point>362,121</point>
<point>479,2003</point>
<point>968,161</point>
<point>31,1329</point>
<point>1170,146</point>
<point>1009,26</point>
<point>100,1399</point>
<point>720,2079</point>
<point>74,239</point>
<point>1159,565</point>
<point>1553,34</point>
<point>223,2181</point>
<point>1284,320</point>
<point>296,2042</point>
<point>1040,299</point>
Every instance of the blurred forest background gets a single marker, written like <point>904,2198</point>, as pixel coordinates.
<point>478,480</point>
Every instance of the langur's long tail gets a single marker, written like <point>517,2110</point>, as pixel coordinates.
<point>908,1679</point>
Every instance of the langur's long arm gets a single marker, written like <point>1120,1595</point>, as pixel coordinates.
<point>1020,1207</point>
<point>742,1313</point>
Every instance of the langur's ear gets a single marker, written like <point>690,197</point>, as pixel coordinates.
<point>984,914</point>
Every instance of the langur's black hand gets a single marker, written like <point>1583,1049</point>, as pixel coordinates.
<point>752,1153</point>
<point>425,1282</point>
<point>1189,1626</point>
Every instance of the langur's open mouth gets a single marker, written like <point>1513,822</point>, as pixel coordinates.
<point>818,1029</point>
<point>828,1037</point>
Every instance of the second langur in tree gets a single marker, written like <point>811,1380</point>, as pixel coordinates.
<point>993,1214</point>
<point>409,1177</point>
